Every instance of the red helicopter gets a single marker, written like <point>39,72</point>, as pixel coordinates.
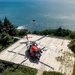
<point>33,50</point>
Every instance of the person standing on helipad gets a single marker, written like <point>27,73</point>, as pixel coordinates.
<point>27,35</point>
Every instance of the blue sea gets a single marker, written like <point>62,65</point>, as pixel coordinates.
<point>49,14</point>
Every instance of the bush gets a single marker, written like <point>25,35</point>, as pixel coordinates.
<point>45,32</point>
<point>71,45</point>
<point>51,73</point>
<point>72,35</point>
<point>0,48</point>
<point>62,32</point>
<point>36,32</point>
<point>15,69</point>
<point>54,32</point>
<point>1,68</point>
<point>22,32</point>
<point>6,39</point>
<point>73,70</point>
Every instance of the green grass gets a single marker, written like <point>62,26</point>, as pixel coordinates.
<point>15,69</point>
<point>51,73</point>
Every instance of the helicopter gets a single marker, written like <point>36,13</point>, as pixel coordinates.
<point>32,48</point>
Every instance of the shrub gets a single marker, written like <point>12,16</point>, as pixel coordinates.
<point>22,32</point>
<point>51,73</point>
<point>62,32</point>
<point>71,45</point>
<point>6,39</point>
<point>73,70</point>
<point>72,35</point>
<point>15,69</point>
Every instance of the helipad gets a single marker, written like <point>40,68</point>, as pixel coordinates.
<point>55,57</point>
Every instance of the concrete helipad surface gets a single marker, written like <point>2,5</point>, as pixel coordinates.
<point>55,57</point>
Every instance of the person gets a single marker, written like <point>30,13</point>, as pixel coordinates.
<point>33,49</point>
<point>27,35</point>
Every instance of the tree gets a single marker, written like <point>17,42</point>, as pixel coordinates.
<point>13,31</point>
<point>6,39</point>
<point>1,26</point>
<point>9,27</point>
<point>58,32</point>
<point>6,25</point>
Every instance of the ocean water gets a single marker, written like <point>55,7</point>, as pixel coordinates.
<point>49,14</point>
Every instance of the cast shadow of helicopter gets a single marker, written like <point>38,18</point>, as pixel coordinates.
<point>27,57</point>
<point>32,60</point>
<point>23,42</point>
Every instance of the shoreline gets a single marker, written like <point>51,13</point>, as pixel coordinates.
<point>21,27</point>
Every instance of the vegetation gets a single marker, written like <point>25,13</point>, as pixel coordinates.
<point>45,32</point>
<point>9,27</point>
<point>22,32</point>
<point>7,68</point>
<point>51,73</point>
<point>65,33</point>
<point>7,31</point>
<point>72,35</point>
<point>15,69</point>
<point>73,70</point>
<point>72,45</point>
